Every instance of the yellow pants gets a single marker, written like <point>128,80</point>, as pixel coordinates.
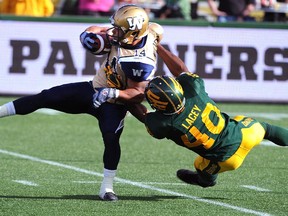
<point>252,136</point>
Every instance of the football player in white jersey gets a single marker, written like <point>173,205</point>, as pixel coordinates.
<point>121,80</point>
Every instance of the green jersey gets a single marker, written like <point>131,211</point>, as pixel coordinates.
<point>201,126</point>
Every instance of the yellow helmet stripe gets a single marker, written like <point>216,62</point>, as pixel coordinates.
<point>177,87</point>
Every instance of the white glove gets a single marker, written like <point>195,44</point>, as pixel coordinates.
<point>101,95</point>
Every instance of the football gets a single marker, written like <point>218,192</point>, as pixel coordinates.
<point>101,44</point>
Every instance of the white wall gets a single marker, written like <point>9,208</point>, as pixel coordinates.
<point>237,64</point>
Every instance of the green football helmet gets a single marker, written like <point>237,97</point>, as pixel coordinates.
<point>165,94</point>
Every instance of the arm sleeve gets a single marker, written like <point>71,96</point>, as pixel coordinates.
<point>192,82</point>
<point>155,126</point>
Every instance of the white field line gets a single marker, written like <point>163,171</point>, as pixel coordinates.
<point>271,116</point>
<point>255,188</point>
<point>268,143</point>
<point>24,182</point>
<point>148,183</point>
<point>140,185</point>
<point>251,187</point>
<point>88,182</point>
<point>49,111</point>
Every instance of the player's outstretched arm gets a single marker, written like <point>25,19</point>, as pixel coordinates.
<point>173,62</point>
<point>96,29</point>
<point>139,111</point>
<point>134,93</point>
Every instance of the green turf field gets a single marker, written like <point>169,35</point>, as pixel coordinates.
<point>51,164</point>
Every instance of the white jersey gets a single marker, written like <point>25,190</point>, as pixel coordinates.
<point>137,63</point>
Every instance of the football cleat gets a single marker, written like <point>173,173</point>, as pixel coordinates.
<point>109,196</point>
<point>192,177</point>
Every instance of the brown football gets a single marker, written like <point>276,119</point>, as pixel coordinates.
<point>102,45</point>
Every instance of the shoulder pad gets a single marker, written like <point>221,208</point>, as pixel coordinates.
<point>157,29</point>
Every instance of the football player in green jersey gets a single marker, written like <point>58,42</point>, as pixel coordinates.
<point>186,115</point>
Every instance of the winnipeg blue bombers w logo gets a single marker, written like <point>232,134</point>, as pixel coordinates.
<point>137,72</point>
<point>135,23</point>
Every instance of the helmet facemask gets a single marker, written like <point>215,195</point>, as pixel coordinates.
<point>115,35</point>
<point>130,23</point>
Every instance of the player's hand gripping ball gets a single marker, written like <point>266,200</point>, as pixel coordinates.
<point>97,44</point>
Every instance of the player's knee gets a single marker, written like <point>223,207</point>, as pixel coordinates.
<point>46,97</point>
<point>111,139</point>
<point>234,166</point>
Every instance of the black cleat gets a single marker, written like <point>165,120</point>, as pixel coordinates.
<point>109,196</point>
<point>192,177</point>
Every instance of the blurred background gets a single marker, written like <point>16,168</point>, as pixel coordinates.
<point>258,10</point>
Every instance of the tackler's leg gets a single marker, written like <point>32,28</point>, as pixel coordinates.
<point>276,134</point>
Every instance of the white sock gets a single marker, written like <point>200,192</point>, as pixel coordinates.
<point>107,183</point>
<point>7,109</point>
